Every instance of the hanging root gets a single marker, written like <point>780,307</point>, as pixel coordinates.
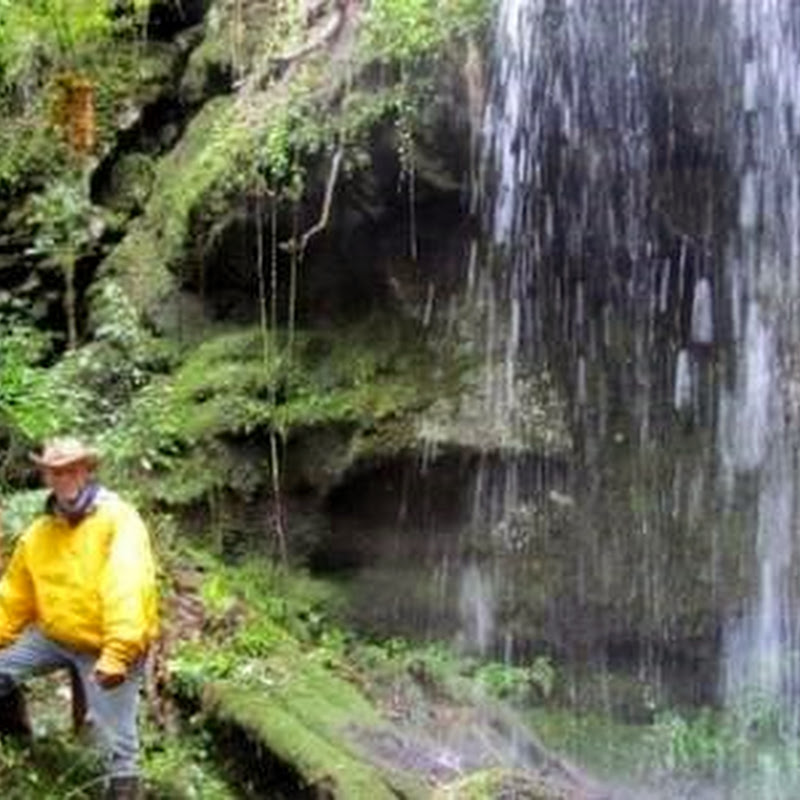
<point>325,213</point>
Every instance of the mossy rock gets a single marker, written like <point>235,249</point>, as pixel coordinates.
<point>124,78</point>
<point>185,182</point>
<point>325,399</point>
<point>298,726</point>
<point>238,38</point>
<point>496,784</point>
<point>532,418</point>
<point>131,182</point>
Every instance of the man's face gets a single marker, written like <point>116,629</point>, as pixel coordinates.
<point>66,482</point>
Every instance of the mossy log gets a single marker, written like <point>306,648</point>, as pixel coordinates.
<point>291,745</point>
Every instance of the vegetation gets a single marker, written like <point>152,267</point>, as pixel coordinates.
<point>272,674</point>
<point>273,669</point>
<point>236,143</point>
<point>62,217</point>
<point>45,31</point>
<point>28,399</point>
<point>47,50</point>
<point>410,33</point>
<point>85,391</point>
<point>365,387</point>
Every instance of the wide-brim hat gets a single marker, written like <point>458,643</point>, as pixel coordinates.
<point>64,452</point>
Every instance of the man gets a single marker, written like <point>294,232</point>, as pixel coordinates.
<point>80,592</point>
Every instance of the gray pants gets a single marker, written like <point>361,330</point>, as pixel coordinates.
<point>113,712</point>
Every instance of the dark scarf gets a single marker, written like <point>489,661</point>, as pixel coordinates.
<point>75,510</point>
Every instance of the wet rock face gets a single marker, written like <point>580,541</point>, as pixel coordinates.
<point>615,206</point>
<point>436,553</point>
<point>361,263</point>
<point>690,89</point>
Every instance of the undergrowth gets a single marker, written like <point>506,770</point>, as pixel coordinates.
<point>280,633</point>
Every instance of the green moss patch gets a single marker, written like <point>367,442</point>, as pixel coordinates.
<point>498,783</point>
<point>275,687</point>
<point>362,385</point>
<point>204,162</point>
<point>240,37</point>
<point>301,727</point>
<point>283,117</point>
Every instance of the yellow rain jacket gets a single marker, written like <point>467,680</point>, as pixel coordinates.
<point>91,586</point>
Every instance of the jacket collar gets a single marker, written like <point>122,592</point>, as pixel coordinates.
<point>75,511</point>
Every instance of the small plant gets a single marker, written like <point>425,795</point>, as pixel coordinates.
<point>65,223</point>
<point>697,744</point>
<point>518,682</point>
<point>408,31</point>
<point>182,767</point>
<point>53,771</point>
<point>542,675</point>
<point>35,402</point>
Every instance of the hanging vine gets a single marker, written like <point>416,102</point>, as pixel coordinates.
<point>294,268</point>
<point>298,245</point>
<point>268,324</point>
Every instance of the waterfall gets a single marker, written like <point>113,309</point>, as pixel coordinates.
<point>642,189</point>
<point>683,382</point>
<point>702,314</point>
<point>476,602</point>
<point>763,647</point>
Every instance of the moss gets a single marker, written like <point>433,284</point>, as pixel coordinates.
<point>230,141</point>
<point>305,730</point>
<point>138,267</point>
<point>497,783</point>
<point>278,683</point>
<point>532,418</point>
<point>201,167</point>
<point>273,133</point>
<point>238,38</point>
<point>131,183</point>
<point>364,385</point>
<point>124,78</point>
<point>29,152</point>
<point>218,158</point>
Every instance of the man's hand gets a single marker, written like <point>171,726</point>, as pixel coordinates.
<point>108,680</point>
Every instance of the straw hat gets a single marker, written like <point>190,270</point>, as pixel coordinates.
<point>64,452</point>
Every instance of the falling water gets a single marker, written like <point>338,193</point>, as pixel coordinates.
<point>598,280</point>
<point>762,435</point>
<point>643,187</point>
<point>476,606</point>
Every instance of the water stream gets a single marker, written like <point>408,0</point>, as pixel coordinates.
<point>637,287</point>
<point>643,190</point>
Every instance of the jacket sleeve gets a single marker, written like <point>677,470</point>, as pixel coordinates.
<point>128,593</point>
<point>17,598</point>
